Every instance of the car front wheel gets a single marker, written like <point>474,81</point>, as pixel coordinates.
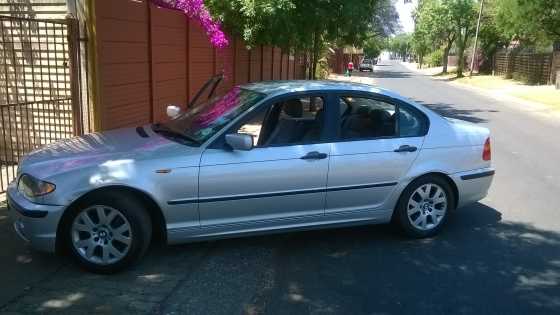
<point>106,234</point>
<point>424,206</point>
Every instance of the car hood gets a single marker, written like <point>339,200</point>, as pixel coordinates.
<point>98,148</point>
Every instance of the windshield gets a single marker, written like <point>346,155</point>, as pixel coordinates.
<point>206,118</point>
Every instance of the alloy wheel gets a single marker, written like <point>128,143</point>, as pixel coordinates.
<point>101,235</point>
<point>427,206</point>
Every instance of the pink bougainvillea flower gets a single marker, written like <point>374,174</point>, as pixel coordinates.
<point>195,9</point>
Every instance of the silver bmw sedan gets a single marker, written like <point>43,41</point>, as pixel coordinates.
<point>264,158</point>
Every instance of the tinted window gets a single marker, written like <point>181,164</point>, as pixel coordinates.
<point>411,122</point>
<point>364,118</point>
<point>292,121</point>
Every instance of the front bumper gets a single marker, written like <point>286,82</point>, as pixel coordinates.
<point>34,223</point>
<point>473,185</point>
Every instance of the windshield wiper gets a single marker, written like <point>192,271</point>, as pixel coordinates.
<point>213,83</point>
<point>159,128</point>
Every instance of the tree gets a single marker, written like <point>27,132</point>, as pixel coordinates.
<point>434,17</point>
<point>373,47</point>
<point>529,21</point>
<point>464,14</point>
<point>490,37</point>
<point>420,45</point>
<point>308,25</point>
<point>445,23</point>
<point>401,45</point>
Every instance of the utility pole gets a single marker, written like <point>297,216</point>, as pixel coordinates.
<point>476,37</point>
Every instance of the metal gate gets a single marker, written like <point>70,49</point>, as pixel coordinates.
<point>40,87</point>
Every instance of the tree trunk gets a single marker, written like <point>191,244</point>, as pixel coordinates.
<point>460,61</point>
<point>309,62</point>
<point>462,44</point>
<point>445,58</point>
<point>315,54</point>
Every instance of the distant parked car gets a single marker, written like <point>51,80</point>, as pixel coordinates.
<point>366,64</point>
<point>265,158</point>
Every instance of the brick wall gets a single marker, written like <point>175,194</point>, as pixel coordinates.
<point>149,57</point>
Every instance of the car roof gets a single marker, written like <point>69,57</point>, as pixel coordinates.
<point>275,88</point>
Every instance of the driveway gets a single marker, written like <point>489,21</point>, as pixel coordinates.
<point>499,256</point>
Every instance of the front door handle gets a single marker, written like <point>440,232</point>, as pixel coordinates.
<point>314,155</point>
<point>406,148</point>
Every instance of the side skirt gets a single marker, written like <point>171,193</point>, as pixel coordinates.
<point>280,225</point>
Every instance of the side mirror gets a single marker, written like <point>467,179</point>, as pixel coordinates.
<point>240,141</point>
<point>173,111</point>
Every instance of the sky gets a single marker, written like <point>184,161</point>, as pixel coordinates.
<point>405,14</point>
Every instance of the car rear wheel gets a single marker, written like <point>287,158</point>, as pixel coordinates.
<point>424,206</point>
<point>106,234</point>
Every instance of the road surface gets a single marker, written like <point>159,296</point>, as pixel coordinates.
<point>499,256</point>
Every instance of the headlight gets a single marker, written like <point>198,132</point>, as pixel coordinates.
<point>33,187</point>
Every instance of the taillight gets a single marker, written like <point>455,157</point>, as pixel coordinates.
<point>487,152</point>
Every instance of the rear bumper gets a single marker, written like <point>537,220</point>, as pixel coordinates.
<point>34,223</point>
<point>473,185</point>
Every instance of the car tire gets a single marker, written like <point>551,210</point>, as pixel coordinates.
<point>422,210</point>
<point>117,241</point>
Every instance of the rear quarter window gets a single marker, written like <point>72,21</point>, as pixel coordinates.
<point>412,123</point>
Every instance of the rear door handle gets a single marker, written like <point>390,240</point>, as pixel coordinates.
<point>406,148</point>
<point>314,155</point>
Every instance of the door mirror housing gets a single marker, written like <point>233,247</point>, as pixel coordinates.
<point>240,141</point>
<point>173,111</point>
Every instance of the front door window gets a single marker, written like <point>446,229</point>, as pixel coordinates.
<point>297,120</point>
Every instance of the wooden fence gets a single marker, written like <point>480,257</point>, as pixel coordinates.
<point>151,57</point>
<point>532,68</point>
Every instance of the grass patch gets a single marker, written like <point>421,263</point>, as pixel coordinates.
<point>542,94</point>
<point>488,82</point>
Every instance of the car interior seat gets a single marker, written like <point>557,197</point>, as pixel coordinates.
<point>289,128</point>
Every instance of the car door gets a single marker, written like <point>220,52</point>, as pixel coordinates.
<point>282,180</point>
<point>377,142</point>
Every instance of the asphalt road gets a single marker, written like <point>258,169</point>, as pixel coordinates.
<point>499,256</point>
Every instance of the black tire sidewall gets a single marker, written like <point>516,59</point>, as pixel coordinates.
<point>401,210</point>
<point>134,212</point>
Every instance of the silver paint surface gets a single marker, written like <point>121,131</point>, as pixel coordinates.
<point>122,158</point>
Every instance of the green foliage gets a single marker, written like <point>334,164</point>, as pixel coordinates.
<point>401,44</point>
<point>308,25</point>
<point>530,21</point>
<point>443,23</point>
<point>373,46</point>
<point>421,45</point>
<point>435,58</point>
